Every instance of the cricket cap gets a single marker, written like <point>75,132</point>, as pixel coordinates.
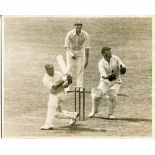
<point>78,23</point>
<point>105,49</point>
<point>49,65</point>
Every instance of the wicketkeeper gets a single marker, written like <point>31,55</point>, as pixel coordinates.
<point>56,82</point>
<point>110,68</point>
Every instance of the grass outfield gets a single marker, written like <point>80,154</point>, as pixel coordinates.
<point>31,42</point>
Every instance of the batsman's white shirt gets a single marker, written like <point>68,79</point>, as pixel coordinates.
<point>49,81</point>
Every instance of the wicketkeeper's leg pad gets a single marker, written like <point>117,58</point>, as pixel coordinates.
<point>112,95</point>
<point>96,93</point>
<point>112,100</point>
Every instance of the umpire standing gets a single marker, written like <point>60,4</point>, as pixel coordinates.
<point>77,44</point>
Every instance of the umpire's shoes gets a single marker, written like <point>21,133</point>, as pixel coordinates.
<point>46,127</point>
<point>73,121</point>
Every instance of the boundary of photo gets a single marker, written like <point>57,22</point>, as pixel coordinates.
<point>153,76</point>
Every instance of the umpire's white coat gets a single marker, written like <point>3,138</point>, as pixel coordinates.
<point>77,45</point>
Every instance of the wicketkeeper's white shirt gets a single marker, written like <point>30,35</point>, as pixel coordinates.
<point>106,68</point>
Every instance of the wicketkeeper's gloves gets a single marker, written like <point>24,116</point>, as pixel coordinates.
<point>122,69</point>
<point>112,76</point>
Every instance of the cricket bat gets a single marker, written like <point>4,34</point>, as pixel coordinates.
<point>62,64</point>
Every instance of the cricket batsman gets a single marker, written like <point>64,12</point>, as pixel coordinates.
<point>110,68</point>
<point>56,82</point>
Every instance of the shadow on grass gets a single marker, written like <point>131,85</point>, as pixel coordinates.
<point>128,119</point>
<point>79,128</point>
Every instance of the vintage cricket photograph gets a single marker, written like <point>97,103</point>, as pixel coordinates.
<point>76,76</point>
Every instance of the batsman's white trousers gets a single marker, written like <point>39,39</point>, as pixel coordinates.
<point>76,65</point>
<point>55,110</point>
<point>111,91</point>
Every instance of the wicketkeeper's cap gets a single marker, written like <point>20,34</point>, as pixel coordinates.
<point>49,65</point>
<point>78,23</point>
<point>105,49</point>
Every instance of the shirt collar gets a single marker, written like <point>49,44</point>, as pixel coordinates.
<point>110,59</point>
<point>74,33</point>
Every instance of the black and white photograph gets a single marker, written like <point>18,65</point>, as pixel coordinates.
<point>77,76</point>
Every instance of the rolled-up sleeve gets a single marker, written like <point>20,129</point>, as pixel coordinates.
<point>102,70</point>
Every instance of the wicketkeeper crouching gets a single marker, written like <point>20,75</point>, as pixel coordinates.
<point>56,82</point>
<point>110,68</point>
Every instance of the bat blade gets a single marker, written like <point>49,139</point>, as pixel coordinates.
<point>62,64</point>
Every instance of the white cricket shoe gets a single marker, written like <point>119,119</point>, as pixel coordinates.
<point>73,121</point>
<point>110,116</point>
<point>91,114</point>
<point>46,127</point>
